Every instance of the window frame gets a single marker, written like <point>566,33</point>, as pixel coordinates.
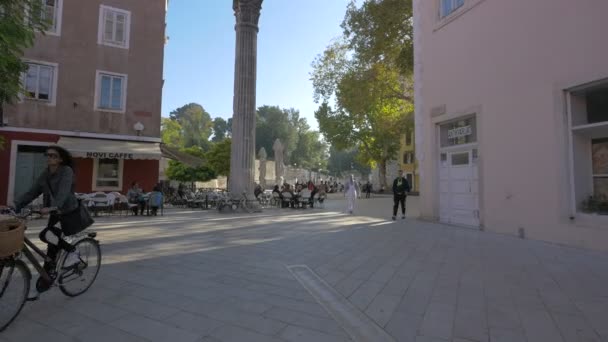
<point>102,24</point>
<point>56,30</point>
<point>453,9</point>
<point>408,158</point>
<point>577,129</point>
<point>121,166</point>
<point>98,76</point>
<point>52,101</point>
<point>596,175</point>
<point>408,138</point>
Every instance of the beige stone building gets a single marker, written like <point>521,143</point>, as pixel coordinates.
<point>94,86</point>
<point>512,116</point>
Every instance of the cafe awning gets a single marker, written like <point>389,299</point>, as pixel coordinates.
<point>110,149</point>
<point>182,157</point>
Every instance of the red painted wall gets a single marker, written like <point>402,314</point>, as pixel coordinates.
<point>84,175</point>
<point>145,172</point>
<point>5,155</point>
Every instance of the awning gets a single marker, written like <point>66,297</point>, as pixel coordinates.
<point>182,157</point>
<point>110,149</point>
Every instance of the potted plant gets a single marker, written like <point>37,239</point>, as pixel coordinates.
<point>590,205</point>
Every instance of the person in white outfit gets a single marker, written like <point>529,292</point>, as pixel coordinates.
<point>350,192</point>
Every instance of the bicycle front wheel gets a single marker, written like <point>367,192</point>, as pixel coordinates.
<point>77,279</point>
<point>14,287</point>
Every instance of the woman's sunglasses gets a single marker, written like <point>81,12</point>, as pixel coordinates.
<point>52,155</point>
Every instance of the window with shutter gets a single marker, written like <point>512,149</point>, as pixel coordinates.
<point>114,27</point>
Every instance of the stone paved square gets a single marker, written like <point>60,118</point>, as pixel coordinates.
<point>204,276</point>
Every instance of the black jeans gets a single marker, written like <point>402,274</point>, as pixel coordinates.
<point>141,205</point>
<point>399,198</point>
<point>52,249</point>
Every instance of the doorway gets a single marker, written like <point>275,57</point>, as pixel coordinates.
<point>459,187</point>
<point>30,163</point>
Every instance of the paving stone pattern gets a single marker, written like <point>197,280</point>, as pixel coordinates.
<point>204,276</point>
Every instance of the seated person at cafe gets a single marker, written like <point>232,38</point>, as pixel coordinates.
<point>257,191</point>
<point>136,196</point>
<point>287,188</point>
<point>156,200</point>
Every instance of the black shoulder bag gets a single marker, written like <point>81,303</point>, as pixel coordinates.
<point>75,221</point>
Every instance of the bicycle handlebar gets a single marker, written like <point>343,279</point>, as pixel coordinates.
<point>25,213</point>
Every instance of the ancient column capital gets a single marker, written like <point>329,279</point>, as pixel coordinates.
<point>247,12</point>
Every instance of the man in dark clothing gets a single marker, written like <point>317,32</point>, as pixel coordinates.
<point>400,189</point>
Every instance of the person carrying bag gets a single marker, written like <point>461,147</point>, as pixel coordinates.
<point>56,184</point>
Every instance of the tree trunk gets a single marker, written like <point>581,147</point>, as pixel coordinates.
<point>382,174</point>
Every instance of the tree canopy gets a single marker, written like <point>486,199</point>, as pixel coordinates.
<point>221,129</point>
<point>341,162</point>
<point>196,124</point>
<point>366,75</point>
<point>20,20</point>
<point>303,145</point>
<point>219,157</point>
<point>183,173</point>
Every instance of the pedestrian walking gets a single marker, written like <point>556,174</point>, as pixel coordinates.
<point>350,192</point>
<point>400,189</point>
<point>368,189</point>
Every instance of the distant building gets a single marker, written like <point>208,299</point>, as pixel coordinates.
<point>512,116</point>
<point>94,86</point>
<point>409,165</point>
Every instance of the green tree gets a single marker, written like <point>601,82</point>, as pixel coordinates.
<point>196,124</point>
<point>367,75</point>
<point>183,173</point>
<point>218,157</point>
<point>310,151</point>
<point>275,123</point>
<point>221,129</point>
<point>171,133</point>
<point>341,162</point>
<point>20,20</point>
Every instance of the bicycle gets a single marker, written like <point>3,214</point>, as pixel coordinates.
<point>15,275</point>
<point>233,204</point>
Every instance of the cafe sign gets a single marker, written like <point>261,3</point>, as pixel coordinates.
<point>109,155</point>
<point>460,132</point>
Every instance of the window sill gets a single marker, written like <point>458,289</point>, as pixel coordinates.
<point>38,101</point>
<point>108,110</point>
<point>120,46</point>
<point>107,188</point>
<point>468,5</point>
<point>52,33</point>
<point>591,220</point>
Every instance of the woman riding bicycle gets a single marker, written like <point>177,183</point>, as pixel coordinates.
<point>56,184</point>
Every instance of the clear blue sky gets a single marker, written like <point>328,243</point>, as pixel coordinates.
<point>199,57</point>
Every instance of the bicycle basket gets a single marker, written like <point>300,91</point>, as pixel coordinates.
<point>11,236</point>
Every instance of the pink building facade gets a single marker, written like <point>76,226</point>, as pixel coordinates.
<point>512,117</point>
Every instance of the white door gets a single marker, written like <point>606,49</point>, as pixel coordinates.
<point>458,188</point>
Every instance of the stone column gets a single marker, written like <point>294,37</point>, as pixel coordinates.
<point>242,154</point>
